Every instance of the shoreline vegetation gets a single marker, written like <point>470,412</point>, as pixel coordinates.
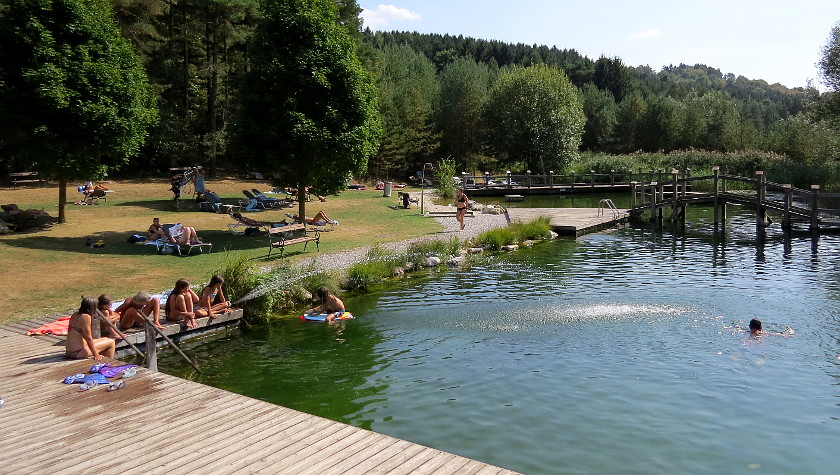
<point>283,289</point>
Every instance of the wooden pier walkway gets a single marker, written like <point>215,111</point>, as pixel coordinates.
<point>572,221</point>
<point>164,424</point>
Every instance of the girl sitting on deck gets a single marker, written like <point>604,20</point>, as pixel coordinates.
<point>80,343</point>
<point>212,293</point>
<point>180,304</point>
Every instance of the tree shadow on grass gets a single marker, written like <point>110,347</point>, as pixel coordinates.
<point>161,205</point>
<point>116,244</point>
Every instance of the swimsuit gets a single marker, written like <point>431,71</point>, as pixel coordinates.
<point>74,355</point>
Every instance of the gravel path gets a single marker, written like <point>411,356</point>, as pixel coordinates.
<point>475,225</point>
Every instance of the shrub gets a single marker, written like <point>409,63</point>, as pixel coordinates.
<point>494,239</point>
<point>536,229</point>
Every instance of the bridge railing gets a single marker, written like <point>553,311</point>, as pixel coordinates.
<point>570,180</point>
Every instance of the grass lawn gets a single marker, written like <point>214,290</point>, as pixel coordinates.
<point>46,270</point>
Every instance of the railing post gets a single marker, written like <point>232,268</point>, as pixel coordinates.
<point>151,346</point>
<point>815,210</point>
<point>95,326</point>
<point>633,195</point>
<point>716,192</point>
<point>573,179</point>
<point>528,177</point>
<point>551,178</point>
<point>592,178</point>
<point>675,174</point>
<point>761,212</point>
<point>786,221</point>
<point>612,177</point>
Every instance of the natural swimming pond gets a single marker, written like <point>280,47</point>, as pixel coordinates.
<point>616,352</point>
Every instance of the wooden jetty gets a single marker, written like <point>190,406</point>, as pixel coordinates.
<point>163,424</point>
<point>795,205</point>
<point>528,184</point>
<point>572,221</point>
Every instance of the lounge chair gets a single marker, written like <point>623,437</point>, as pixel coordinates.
<point>319,221</point>
<point>267,199</point>
<point>166,246</point>
<point>258,203</point>
<point>243,222</point>
<point>214,203</point>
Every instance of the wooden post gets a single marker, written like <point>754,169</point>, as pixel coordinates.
<point>815,209</point>
<point>716,204</point>
<point>633,195</point>
<point>95,325</point>
<point>675,198</point>
<point>573,179</point>
<point>761,212</point>
<point>551,179</point>
<point>592,178</point>
<point>662,203</point>
<point>151,346</point>
<point>612,177</point>
<point>786,222</point>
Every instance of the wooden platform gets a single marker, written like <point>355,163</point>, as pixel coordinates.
<point>571,221</point>
<point>163,424</point>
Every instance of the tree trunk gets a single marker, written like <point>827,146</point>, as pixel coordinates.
<point>62,199</point>
<point>302,203</point>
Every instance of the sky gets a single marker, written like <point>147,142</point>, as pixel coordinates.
<point>778,41</point>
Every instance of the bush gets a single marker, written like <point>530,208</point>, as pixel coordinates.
<point>435,247</point>
<point>443,174</point>
<point>494,239</point>
<point>536,229</point>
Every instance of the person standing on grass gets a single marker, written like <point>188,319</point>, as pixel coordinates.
<point>462,203</point>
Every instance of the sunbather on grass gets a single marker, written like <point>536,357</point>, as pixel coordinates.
<point>132,310</point>
<point>319,219</point>
<point>80,343</point>
<point>213,293</point>
<point>180,306</point>
<point>156,230</point>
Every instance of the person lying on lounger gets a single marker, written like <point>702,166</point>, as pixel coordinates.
<point>253,222</point>
<point>80,343</point>
<point>180,234</point>
<point>319,219</point>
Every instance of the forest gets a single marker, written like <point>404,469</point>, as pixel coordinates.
<point>453,97</point>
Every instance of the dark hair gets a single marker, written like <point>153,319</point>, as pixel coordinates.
<point>322,293</point>
<point>104,301</point>
<point>180,285</point>
<point>755,324</point>
<point>216,279</point>
<point>88,306</point>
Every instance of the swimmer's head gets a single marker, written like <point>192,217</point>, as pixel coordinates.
<point>755,325</point>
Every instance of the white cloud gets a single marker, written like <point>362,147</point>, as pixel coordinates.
<point>384,14</point>
<point>650,33</point>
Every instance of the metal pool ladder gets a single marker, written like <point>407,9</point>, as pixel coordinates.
<point>607,203</point>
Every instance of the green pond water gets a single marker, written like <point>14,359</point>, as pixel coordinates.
<point>622,351</point>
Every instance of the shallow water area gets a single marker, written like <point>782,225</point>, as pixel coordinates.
<point>618,352</point>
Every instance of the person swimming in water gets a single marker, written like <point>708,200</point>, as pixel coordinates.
<point>330,304</point>
<point>757,329</point>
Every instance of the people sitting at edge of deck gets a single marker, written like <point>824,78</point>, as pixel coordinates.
<point>211,294</point>
<point>104,307</point>
<point>330,304</point>
<point>132,311</point>
<point>181,304</point>
<point>80,343</point>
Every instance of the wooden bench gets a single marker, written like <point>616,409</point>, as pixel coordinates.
<point>277,237</point>
<point>18,178</point>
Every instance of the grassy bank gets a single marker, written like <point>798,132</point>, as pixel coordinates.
<point>46,270</point>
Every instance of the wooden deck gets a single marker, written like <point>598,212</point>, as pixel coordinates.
<point>163,424</point>
<point>571,221</point>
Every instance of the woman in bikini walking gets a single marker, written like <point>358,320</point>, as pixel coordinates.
<point>80,343</point>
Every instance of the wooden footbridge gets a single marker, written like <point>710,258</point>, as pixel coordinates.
<point>163,424</point>
<point>795,205</point>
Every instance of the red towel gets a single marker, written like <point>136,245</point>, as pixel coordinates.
<point>58,327</point>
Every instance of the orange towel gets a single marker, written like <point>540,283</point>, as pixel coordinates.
<point>58,327</point>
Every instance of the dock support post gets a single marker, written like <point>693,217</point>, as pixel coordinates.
<point>761,211</point>
<point>786,222</point>
<point>151,346</point>
<point>633,194</point>
<point>551,179</point>
<point>815,208</point>
<point>573,179</point>
<point>612,177</point>
<point>716,191</point>
<point>661,201</point>
<point>675,198</point>
<point>592,178</point>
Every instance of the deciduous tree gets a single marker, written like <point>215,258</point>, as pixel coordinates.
<point>535,118</point>
<point>309,113</point>
<point>74,100</point>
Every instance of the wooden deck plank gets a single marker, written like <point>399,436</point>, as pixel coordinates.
<point>163,424</point>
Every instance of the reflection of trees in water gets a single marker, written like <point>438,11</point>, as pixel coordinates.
<point>312,367</point>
